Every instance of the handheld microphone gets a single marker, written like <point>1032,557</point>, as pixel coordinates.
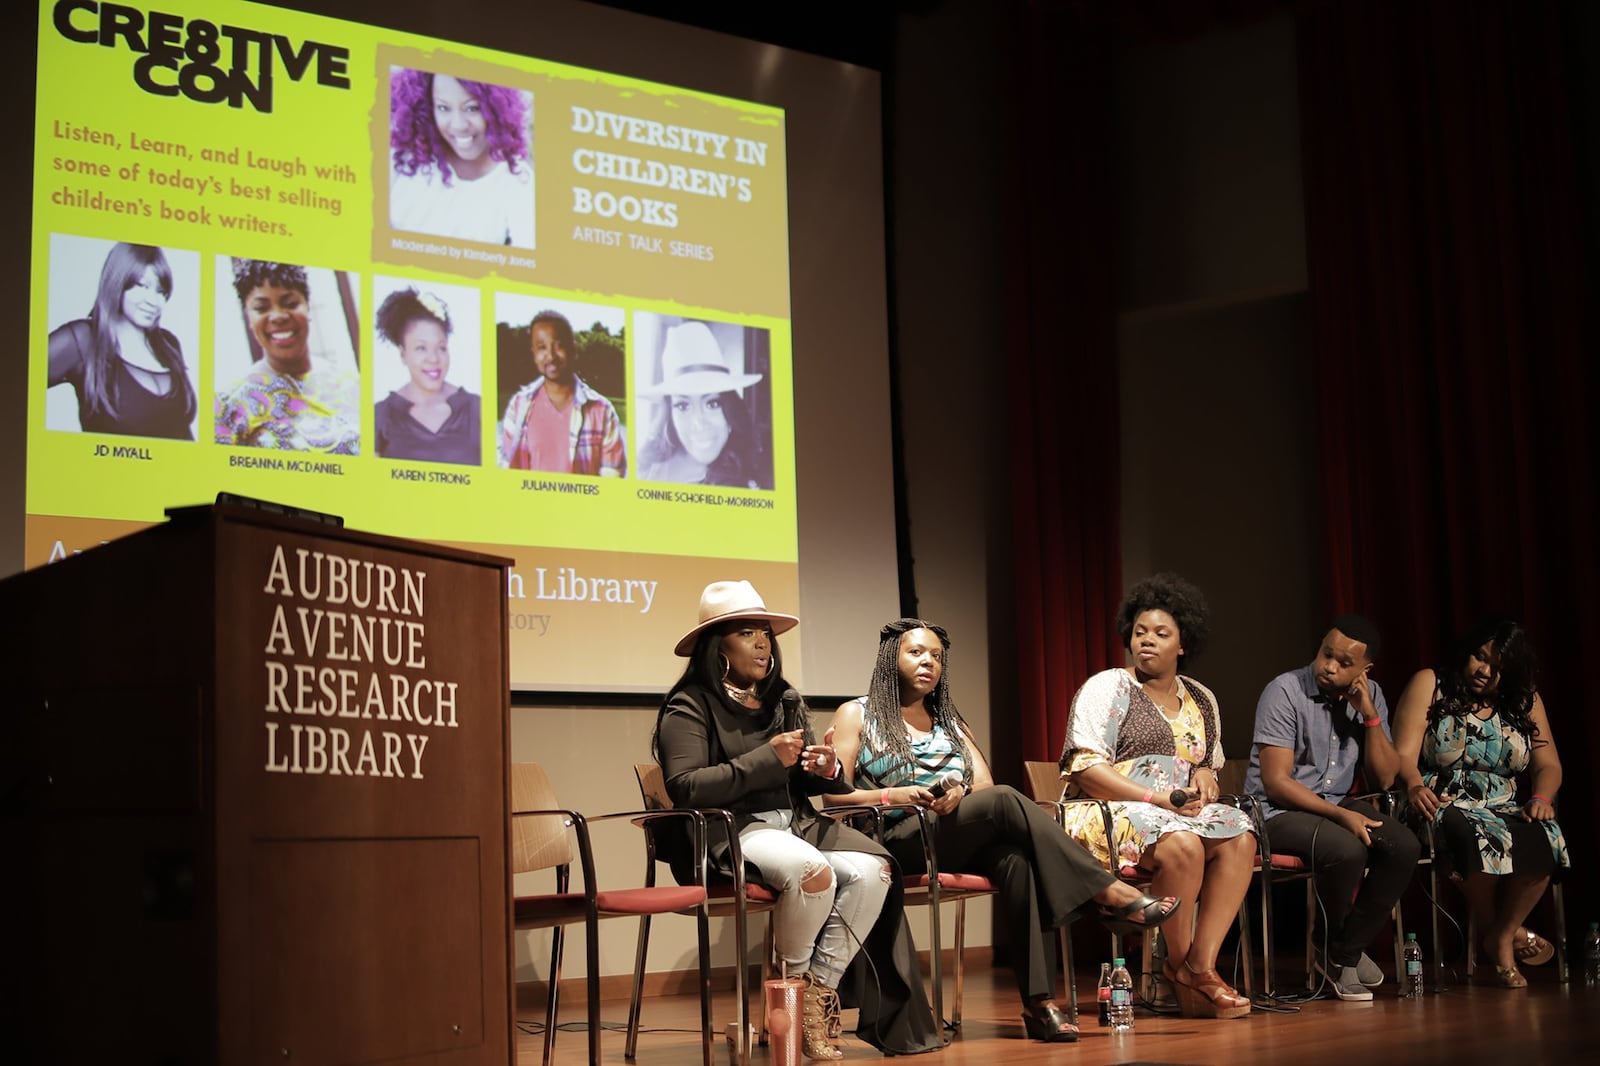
<point>792,717</point>
<point>1179,798</point>
<point>950,780</point>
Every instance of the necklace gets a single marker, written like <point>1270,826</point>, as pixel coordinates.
<point>737,694</point>
<point>1160,698</point>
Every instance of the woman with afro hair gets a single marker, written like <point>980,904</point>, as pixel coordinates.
<point>428,418</point>
<point>1147,739</point>
<point>460,159</point>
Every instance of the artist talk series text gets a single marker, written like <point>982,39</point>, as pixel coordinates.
<point>347,692</point>
<point>222,186</point>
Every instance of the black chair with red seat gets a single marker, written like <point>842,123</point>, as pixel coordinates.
<point>541,839</point>
<point>738,899</point>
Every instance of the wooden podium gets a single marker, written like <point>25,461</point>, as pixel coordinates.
<point>257,793</point>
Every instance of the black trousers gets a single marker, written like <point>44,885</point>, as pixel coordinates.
<point>1358,885</point>
<point>1044,877</point>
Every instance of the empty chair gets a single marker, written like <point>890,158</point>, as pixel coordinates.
<point>541,839</point>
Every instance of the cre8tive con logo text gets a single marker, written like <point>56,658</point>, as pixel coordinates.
<point>199,59</point>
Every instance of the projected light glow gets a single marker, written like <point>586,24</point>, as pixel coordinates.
<point>584,276</point>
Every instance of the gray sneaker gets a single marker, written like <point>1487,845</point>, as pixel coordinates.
<point>1367,972</point>
<point>1345,982</point>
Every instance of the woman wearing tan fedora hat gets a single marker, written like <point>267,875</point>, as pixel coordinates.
<point>733,734</point>
<point>705,435</point>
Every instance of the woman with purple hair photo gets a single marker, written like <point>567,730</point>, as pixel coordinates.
<point>461,161</point>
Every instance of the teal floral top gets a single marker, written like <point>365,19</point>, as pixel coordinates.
<point>934,755</point>
<point>1473,764</point>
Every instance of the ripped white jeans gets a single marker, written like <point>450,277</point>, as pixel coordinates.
<point>828,900</point>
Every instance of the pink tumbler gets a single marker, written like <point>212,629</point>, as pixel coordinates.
<point>785,999</point>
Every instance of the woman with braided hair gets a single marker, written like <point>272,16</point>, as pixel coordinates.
<point>905,737</point>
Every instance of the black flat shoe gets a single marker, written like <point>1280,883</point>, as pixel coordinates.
<point>1047,1022</point>
<point>1143,913</point>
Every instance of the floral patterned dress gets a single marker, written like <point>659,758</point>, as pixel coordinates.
<point>1113,722</point>
<point>310,412</point>
<point>1473,763</point>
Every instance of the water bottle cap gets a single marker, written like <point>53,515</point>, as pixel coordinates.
<point>1121,962</point>
<point>1410,937</point>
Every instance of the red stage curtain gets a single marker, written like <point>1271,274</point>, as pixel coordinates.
<point>1061,363</point>
<point>1456,459</point>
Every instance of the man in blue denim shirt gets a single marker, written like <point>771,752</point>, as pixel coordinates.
<point>1314,727</point>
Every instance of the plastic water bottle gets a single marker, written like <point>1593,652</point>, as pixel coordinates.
<point>1121,998</point>
<point>1591,956</point>
<point>1412,988</point>
<point>1103,994</point>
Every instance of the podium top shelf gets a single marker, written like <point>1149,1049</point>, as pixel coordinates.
<point>293,520</point>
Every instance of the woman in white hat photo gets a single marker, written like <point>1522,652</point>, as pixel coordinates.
<point>703,431</point>
<point>733,734</point>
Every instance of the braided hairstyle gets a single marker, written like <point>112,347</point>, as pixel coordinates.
<point>883,720</point>
<point>1513,696</point>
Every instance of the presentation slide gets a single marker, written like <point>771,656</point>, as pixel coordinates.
<point>440,291</point>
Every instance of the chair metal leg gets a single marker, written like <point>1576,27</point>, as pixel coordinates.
<point>553,1000</point>
<point>1433,893</point>
<point>1147,969</point>
<point>1064,939</point>
<point>1399,945</point>
<point>1311,933</point>
<point>1244,947</point>
<point>767,973</point>
<point>637,1001</point>
<point>1268,978</point>
<point>592,986</point>
<point>934,954</point>
<point>741,987</point>
<point>1561,932</point>
<point>703,922</point>
<point>961,945</point>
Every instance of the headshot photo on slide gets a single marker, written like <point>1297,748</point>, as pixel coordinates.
<point>427,372</point>
<point>124,335</point>
<point>703,407</point>
<point>460,158</point>
<point>562,376</point>
<point>286,357</point>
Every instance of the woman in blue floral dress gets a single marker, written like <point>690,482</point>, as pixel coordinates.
<point>1465,733</point>
<point>1133,736</point>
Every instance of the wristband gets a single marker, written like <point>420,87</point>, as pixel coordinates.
<point>1372,722</point>
<point>883,800</point>
<point>1541,799</point>
<point>1149,793</point>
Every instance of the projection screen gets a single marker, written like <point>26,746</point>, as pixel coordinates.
<point>595,292</point>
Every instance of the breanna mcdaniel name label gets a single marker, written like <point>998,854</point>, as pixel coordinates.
<point>347,692</point>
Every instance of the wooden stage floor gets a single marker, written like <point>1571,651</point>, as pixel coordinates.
<point>1544,1023</point>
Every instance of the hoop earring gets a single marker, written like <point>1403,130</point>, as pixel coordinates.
<point>726,666</point>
